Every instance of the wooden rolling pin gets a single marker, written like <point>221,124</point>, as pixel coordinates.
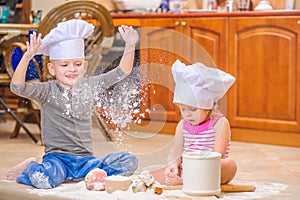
<point>224,188</point>
<point>237,188</point>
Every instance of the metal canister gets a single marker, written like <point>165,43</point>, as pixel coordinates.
<point>230,5</point>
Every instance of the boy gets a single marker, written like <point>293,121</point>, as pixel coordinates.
<point>66,104</point>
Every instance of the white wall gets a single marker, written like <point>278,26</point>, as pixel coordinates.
<point>297,4</point>
<point>45,5</point>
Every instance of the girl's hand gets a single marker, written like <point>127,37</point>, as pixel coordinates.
<point>170,170</point>
<point>171,176</point>
<point>173,179</point>
<point>33,45</point>
<point>128,34</point>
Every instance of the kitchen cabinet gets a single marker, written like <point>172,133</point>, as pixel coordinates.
<point>264,57</point>
<point>265,61</point>
<point>260,51</point>
<point>163,40</point>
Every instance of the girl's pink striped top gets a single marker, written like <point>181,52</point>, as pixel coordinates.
<point>201,137</point>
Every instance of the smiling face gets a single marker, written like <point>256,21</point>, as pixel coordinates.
<point>194,116</point>
<point>68,72</point>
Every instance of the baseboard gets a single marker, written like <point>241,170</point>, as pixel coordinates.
<point>265,137</point>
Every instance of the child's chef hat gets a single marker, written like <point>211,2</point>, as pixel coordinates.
<point>66,41</point>
<point>199,86</point>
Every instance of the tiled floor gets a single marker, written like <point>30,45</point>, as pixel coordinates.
<point>274,170</point>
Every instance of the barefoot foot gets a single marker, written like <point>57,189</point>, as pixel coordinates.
<point>18,169</point>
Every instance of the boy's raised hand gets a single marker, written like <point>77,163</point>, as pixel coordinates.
<point>33,45</point>
<point>129,34</point>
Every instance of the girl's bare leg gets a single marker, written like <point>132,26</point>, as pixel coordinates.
<point>17,170</point>
<point>157,171</point>
<point>228,170</point>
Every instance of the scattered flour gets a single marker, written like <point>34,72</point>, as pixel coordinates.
<point>78,191</point>
<point>40,180</point>
<point>262,191</point>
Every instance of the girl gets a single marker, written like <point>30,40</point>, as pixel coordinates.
<point>203,128</point>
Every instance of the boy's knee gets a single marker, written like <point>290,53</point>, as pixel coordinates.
<point>45,177</point>
<point>40,180</point>
<point>132,163</point>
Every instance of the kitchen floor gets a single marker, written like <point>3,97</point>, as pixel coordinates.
<point>273,170</point>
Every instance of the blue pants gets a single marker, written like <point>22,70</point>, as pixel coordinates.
<point>58,168</point>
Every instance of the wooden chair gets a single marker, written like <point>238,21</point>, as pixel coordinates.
<point>97,44</point>
<point>14,107</point>
<point>26,110</point>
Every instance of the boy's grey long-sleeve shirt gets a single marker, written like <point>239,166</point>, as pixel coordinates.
<point>66,115</point>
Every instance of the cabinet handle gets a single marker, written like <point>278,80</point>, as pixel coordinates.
<point>298,22</point>
<point>183,23</point>
<point>176,23</point>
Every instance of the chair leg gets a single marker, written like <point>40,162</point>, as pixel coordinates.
<point>38,120</point>
<point>16,130</point>
<point>102,126</point>
<point>23,126</point>
<point>8,110</point>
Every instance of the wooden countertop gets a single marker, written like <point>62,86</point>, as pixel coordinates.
<point>23,28</point>
<point>4,28</point>
<point>17,28</point>
<point>209,14</point>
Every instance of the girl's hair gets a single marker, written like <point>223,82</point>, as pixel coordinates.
<point>213,111</point>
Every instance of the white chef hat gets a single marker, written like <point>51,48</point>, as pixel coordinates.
<point>66,41</point>
<point>199,86</point>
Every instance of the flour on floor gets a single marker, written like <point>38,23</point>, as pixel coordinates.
<point>79,191</point>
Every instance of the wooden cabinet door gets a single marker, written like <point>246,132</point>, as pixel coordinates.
<point>208,41</point>
<point>191,40</point>
<point>264,57</point>
<point>207,44</point>
<point>160,46</point>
